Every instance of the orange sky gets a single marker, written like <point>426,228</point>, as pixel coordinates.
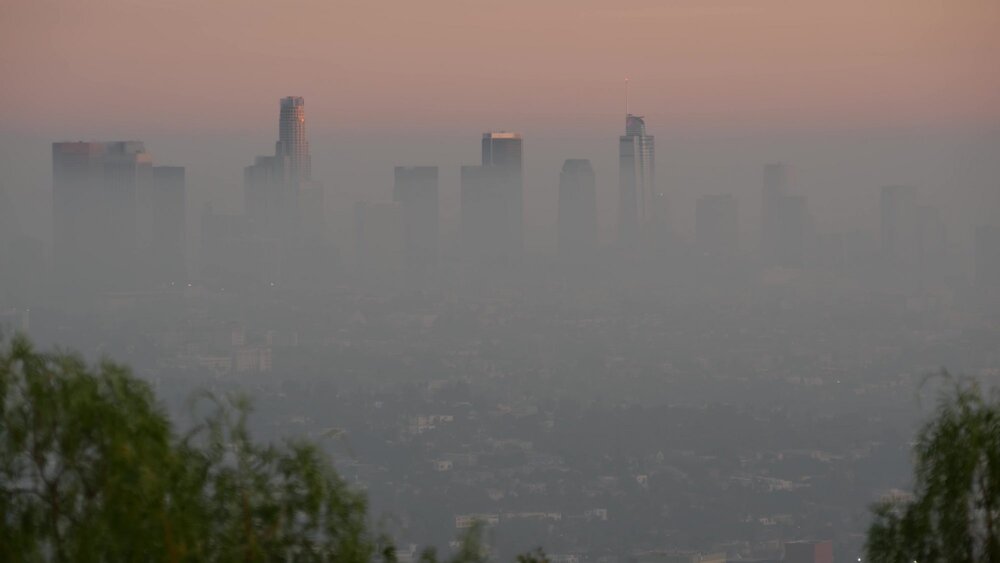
<point>203,65</point>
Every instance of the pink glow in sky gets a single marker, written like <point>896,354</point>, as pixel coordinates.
<point>213,65</point>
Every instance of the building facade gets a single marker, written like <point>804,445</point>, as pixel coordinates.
<point>640,203</point>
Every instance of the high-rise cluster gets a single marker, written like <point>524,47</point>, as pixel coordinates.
<point>117,219</point>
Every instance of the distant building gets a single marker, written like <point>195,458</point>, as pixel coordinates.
<point>292,142</point>
<point>716,225</point>
<point>416,190</point>
<point>267,193</point>
<point>281,199</point>
<point>809,552</point>
<point>492,201</point>
<point>169,224</point>
<point>784,220</point>
<point>100,209</point>
<point>577,220</point>
<point>639,202</point>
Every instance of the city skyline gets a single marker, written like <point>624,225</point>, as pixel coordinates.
<point>616,281</point>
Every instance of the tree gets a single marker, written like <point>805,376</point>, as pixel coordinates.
<point>954,512</point>
<point>92,470</point>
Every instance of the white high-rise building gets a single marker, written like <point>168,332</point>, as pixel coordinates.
<point>640,202</point>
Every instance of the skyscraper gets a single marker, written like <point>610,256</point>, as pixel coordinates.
<point>577,221</point>
<point>292,141</point>
<point>492,200</point>
<point>100,191</point>
<point>639,200</point>
<point>716,225</point>
<point>416,189</point>
<point>281,199</point>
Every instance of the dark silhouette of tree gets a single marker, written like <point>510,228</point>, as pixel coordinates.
<point>954,513</point>
<point>91,470</point>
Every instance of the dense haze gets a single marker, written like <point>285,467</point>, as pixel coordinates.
<point>732,374</point>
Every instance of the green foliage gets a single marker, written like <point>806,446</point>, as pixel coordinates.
<point>91,470</point>
<point>954,514</point>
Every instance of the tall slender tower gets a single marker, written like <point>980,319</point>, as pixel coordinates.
<point>281,199</point>
<point>639,200</point>
<point>292,142</point>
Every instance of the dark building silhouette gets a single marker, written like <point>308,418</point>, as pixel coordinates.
<point>717,225</point>
<point>639,201</point>
<point>491,201</point>
<point>577,221</point>
<point>100,197</point>
<point>169,224</point>
<point>268,195</point>
<point>416,190</point>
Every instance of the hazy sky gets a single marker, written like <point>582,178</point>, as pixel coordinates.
<point>209,65</point>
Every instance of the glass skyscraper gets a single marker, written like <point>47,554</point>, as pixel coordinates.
<point>639,200</point>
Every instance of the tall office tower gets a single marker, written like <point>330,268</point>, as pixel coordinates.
<point>379,237</point>
<point>100,194</point>
<point>282,201</point>
<point>577,221</point>
<point>416,190</point>
<point>900,225</point>
<point>784,221</point>
<point>716,225</point>
<point>292,140</point>
<point>169,224</point>
<point>503,154</point>
<point>640,202</point>
<point>491,201</point>
<point>268,194</point>
<point>987,258</point>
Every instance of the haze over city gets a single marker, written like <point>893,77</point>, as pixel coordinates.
<point>644,281</point>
